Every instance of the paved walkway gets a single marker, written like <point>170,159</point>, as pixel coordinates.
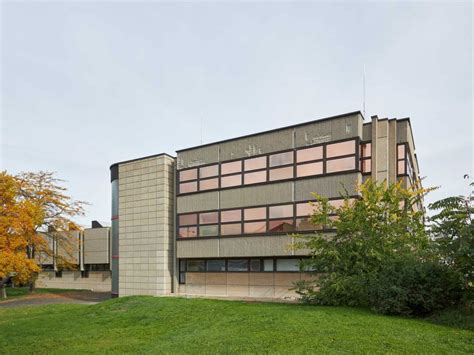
<point>77,297</point>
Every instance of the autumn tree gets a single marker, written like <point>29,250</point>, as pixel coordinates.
<point>36,213</point>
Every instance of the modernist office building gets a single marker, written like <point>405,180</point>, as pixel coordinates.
<point>217,219</point>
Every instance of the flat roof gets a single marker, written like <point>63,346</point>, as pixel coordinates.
<point>273,130</point>
<point>136,159</point>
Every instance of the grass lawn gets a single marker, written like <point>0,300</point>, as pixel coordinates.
<point>177,325</point>
<point>23,291</point>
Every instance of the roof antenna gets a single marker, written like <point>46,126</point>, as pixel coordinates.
<point>363,103</point>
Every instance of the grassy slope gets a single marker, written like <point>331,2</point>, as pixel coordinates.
<point>210,326</point>
<point>24,291</point>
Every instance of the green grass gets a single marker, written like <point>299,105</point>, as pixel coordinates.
<point>24,291</point>
<point>178,325</point>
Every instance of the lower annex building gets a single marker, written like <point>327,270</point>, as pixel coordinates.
<point>217,219</point>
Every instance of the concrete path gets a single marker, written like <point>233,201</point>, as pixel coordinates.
<point>76,297</point>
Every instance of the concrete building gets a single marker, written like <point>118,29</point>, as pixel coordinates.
<point>217,219</point>
<point>89,257</point>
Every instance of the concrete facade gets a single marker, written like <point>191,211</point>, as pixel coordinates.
<point>99,281</point>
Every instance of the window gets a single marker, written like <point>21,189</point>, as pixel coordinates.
<point>59,274</point>
<point>281,173</point>
<point>280,225</point>
<point>281,159</point>
<point>401,167</point>
<point>188,232</point>
<point>195,265</point>
<point>231,215</point>
<point>401,151</point>
<point>255,177</point>
<point>208,184</point>
<point>401,159</point>
<point>305,209</point>
<point>255,227</point>
<point>268,265</point>
<point>186,175</point>
<point>281,211</point>
<point>188,187</point>
<point>255,265</point>
<point>232,180</point>
<point>309,169</point>
<point>339,149</point>
<point>237,265</point>
<point>182,271</point>
<point>231,229</point>
<point>187,219</point>
<point>366,150</point>
<point>232,167</point>
<point>208,171</point>
<point>305,224</point>
<point>208,231</point>
<point>288,265</point>
<point>251,214</point>
<point>215,265</point>
<point>366,165</point>
<point>343,164</point>
<point>84,274</point>
<point>255,163</point>
<point>208,218</point>
<point>309,154</point>
<point>365,157</point>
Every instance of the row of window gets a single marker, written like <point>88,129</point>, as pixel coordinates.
<point>299,163</point>
<point>253,220</point>
<point>240,265</point>
<point>366,158</point>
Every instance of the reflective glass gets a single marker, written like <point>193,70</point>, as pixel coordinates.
<point>208,218</point>
<point>255,265</point>
<point>231,229</point>
<point>232,180</point>
<point>309,169</point>
<point>304,209</point>
<point>366,150</point>
<point>216,265</point>
<point>195,265</point>
<point>281,159</point>
<point>340,164</point>
<point>401,151</point>
<point>281,173</point>
<point>255,163</point>
<point>187,219</point>
<point>187,232</point>
<point>208,231</point>
<point>281,211</point>
<point>231,215</point>
<point>366,165</point>
<point>268,265</point>
<point>232,167</point>
<point>401,167</point>
<point>190,174</point>
<point>255,178</point>
<point>208,171</point>
<point>208,184</point>
<point>237,265</point>
<point>255,213</point>
<point>255,227</point>
<point>308,154</point>
<point>281,225</point>
<point>338,149</point>
<point>288,264</point>
<point>188,187</point>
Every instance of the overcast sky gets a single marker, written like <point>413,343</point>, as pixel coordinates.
<point>87,84</point>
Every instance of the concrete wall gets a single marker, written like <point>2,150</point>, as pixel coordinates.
<point>146,226</point>
<point>97,281</point>
<point>96,246</point>
<point>242,284</point>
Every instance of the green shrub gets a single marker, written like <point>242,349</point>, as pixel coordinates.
<point>414,288</point>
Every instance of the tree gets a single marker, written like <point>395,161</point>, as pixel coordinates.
<point>452,230</point>
<point>383,224</point>
<point>35,211</point>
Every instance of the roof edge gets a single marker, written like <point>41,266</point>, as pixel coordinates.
<point>146,157</point>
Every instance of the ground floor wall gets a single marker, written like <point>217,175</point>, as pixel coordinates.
<point>242,284</point>
<point>100,281</point>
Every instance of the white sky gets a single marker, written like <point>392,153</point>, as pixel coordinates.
<point>87,84</point>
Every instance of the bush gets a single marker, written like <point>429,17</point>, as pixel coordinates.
<point>414,288</point>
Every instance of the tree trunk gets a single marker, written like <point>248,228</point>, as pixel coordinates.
<point>32,285</point>
<point>3,290</point>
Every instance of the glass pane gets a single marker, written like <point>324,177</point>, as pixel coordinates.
<point>231,229</point>
<point>401,167</point>
<point>208,231</point>
<point>268,265</point>
<point>187,219</point>
<point>208,171</point>
<point>282,173</point>
<point>401,151</point>
<point>281,211</point>
<point>288,265</point>
<point>208,218</point>
<point>208,184</point>
<point>195,265</point>
<point>281,159</point>
<point>255,265</point>
<point>304,209</point>
<point>281,225</point>
<point>255,163</point>
<point>340,164</point>
<point>255,227</point>
<point>366,150</point>
<point>309,169</point>
<point>255,178</point>
<point>216,265</point>
<point>232,167</point>
<point>237,265</point>
<point>366,165</point>
<point>304,224</point>
<point>188,187</point>
<point>251,214</point>
<point>337,203</point>
<point>233,180</point>
<point>308,154</point>
<point>338,149</point>
<point>188,232</point>
<point>231,216</point>
<point>190,174</point>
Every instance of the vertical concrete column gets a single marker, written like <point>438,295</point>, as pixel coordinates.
<point>392,150</point>
<point>380,148</point>
<point>114,172</point>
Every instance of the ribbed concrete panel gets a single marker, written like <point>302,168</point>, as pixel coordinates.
<point>198,156</point>
<point>329,186</point>
<point>204,248</point>
<point>198,202</point>
<point>330,130</point>
<point>392,151</point>
<point>257,246</point>
<point>260,144</point>
<point>96,246</point>
<point>67,246</point>
<point>99,281</point>
<point>367,132</point>
<point>257,195</point>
